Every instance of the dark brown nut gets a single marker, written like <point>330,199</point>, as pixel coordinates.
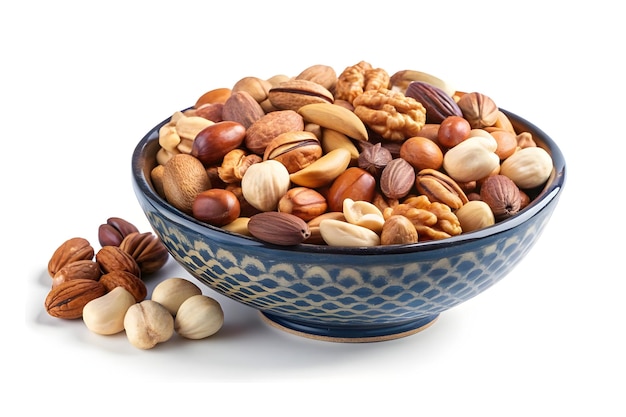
<point>373,158</point>
<point>246,208</point>
<point>478,109</point>
<point>293,94</point>
<point>502,195</point>
<point>355,183</point>
<point>264,130</point>
<point>282,229</point>
<point>390,114</point>
<point>83,269</point>
<point>113,258</point>
<point>242,108</point>
<point>323,75</point>
<point>295,150</point>
<point>114,231</point>
<point>397,179</point>
<point>303,202</point>
<point>147,250</point>
<point>216,206</point>
<point>210,111</point>
<point>67,300</point>
<point>74,249</point>
<point>126,280</point>
<point>437,186</point>
<point>438,103</point>
<point>215,141</point>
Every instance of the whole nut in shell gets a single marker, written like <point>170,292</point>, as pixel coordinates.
<point>438,186</point>
<point>323,75</point>
<point>147,324</point>
<point>438,103</point>
<point>374,158</point>
<point>73,249</point>
<point>397,178</point>
<point>83,269</point>
<point>303,202</point>
<point>113,258</point>
<point>215,141</point>
<point>282,229</point>
<point>295,150</point>
<point>67,300</point>
<point>293,94</point>
<point>264,184</point>
<point>478,109</point>
<point>398,230</point>
<point>114,231</point>
<point>272,124</point>
<point>528,167</point>
<point>502,196</point>
<point>184,177</point>
<point>242,108</point>
<point>475,215</point>
<point>147,250</point>
<point>199,317</point>
<point>131,283</point>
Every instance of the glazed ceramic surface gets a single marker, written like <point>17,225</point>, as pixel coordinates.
<point>348,294</point>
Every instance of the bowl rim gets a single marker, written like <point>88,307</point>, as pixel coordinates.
<point>547,194</point>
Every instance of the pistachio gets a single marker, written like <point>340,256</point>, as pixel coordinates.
<point>295,150</point>
<point>293,94</point>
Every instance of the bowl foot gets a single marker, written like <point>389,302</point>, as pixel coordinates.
<point>349,334</point>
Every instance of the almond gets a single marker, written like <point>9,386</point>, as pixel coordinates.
<point>126,280</point>
<point>502,195</point>
<point>283,229</point>
<point>74,249</point>
<point>67,300</point>
<point>397,178</point>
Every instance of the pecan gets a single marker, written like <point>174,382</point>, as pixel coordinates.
<point>113,258</point>
<point>126,280</point>
<point>67,300</point>
<point>74,249</point>
<point>390,113</point>
<point>147,250</point>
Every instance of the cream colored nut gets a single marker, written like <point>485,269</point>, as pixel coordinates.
<point>363,213</point>
<point>335,117</point>
<point>528,167</point>
<point>198,317</point>
<point>105,315</point>
<point>264,184</point>
<point>324,170</point>
<point>470,161</point>
<point>339,233</point>
<point>331,139</point>
<point>475,215</point>
<point>168,137</point>
<point>239,225</point>
<point>147,324</point>
<point>188,127</point>
<point>172,292</point>
<point>401,80</point>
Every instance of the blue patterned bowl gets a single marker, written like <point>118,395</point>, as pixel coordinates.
<point>348,294</point>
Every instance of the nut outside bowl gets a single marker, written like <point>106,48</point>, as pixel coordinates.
<point>348,294</point>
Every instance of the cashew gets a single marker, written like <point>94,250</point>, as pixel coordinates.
<point>105,315</point>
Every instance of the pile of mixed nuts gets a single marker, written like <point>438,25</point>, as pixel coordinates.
<point>359,158</point>
<point>106,289</point>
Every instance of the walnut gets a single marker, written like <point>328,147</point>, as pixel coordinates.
<point>432,220</point>
<point>351,82</point>
<point>390,113</point>
<point>375,79</point>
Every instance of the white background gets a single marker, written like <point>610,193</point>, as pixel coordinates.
<point>82,82</point>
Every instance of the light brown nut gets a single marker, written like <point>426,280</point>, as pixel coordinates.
<point>147,324</point>
<point>332,139</point>
<point>83,269</point>
<point>293,94</point>
<point>73,249</point>
<point>282,229</point>
<point>324,170</point>
<point>438,186</point>
<point>184,177</point>
<point>421,153</point>
<point>478,109</point>
<point>235,164</point>
<point>255,86</point>
<point>397,179</point>
<point>335,117</point>
<point>67,300</point>
<point>264,130</point>
<point>295,150</point>
<point>351,82</point>
<point>242,108</point>
<point>475,215</point>
<point>390,114</point>
<point>432,220</point>
<point>113,258</point>
<point>502,196</point>
<point>303,202</point>
<point>323,75</point>
<point>398,230</point>
<point>131,283</point>
<point>188,127</point>
<point>264,184</point>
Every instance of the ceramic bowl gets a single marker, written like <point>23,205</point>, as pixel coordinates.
<point>348,294</point>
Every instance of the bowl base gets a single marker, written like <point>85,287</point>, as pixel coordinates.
<point>340,334</point>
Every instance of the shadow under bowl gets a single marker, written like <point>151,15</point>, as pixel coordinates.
<point>348,294</point>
